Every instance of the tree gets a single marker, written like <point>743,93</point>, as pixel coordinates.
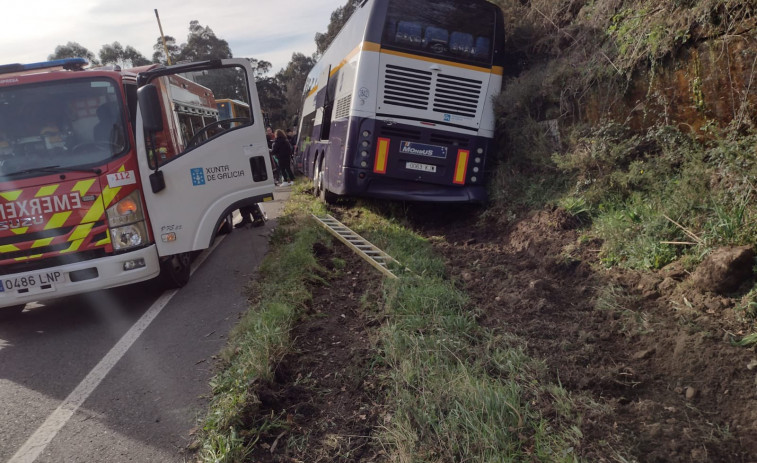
<point>292,80</point>
<point>271,96</point>
<point>338,18</point>
<point>159,53</point>
<point>202,44</point>
<point>73,50</point>
<point>115,54</point>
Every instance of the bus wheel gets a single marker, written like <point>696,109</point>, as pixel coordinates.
<point>325,195</point>
<point>317,178</point>
<point>175,270</point>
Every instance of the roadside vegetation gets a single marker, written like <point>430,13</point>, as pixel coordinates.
<point>453,390</point>
<point>589,124</point>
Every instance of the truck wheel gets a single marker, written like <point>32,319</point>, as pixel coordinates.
<point>175,270</point>
<point>228,224</point>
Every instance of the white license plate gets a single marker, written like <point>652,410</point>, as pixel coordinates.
<point>38,282</point>
<point>421,167</point>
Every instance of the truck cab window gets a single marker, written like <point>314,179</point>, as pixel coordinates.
<point>58,124</point>
<point>203,106</point>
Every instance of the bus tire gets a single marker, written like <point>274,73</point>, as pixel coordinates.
<point>174,271</point>
<point>316,178</point>
<point>323,193</point>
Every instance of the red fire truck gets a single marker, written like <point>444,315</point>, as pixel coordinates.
<point>110,177</point>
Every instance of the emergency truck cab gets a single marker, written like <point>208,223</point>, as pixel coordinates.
<point>110,177</point>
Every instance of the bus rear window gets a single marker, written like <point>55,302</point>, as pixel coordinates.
<point>443,28</point>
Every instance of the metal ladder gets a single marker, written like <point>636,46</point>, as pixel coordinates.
<point>375,256</point>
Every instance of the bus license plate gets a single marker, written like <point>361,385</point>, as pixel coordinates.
<point>421,167</point>
<point>44,281</point>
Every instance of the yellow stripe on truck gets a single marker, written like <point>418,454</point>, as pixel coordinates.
<point>11,195</point>
<point>48,190</point>
<point>81,232</point>
<point>8,248</point>
<point>58,220</point>
<point>74,246</point>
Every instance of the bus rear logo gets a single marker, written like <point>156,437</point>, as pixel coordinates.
<point>420,149</point>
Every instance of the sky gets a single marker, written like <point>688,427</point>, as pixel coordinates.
<point>261,29</point>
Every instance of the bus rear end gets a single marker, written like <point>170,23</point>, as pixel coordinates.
<point>438,70</point>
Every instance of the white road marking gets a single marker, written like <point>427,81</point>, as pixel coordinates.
<point>42,437</point>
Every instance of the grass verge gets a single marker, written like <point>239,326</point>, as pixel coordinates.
<point>455,391</point>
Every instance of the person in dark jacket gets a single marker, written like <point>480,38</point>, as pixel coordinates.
<point>282,151</point>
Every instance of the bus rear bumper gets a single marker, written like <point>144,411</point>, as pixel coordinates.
<point>80,277</point>
<point>406,190</point>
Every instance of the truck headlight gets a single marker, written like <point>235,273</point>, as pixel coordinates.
<point>128,236</point>
<point>127,223</point>
<point>126,211</point>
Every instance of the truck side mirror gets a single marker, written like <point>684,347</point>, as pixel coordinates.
<point>149,105</point>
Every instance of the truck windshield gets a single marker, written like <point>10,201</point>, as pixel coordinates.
<point>445,29</point>
<point>72,124</point>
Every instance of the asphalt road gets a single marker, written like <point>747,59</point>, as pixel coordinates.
<point>122,375</point>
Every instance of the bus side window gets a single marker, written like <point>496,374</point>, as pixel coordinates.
<point>409,32</point>
<point>482,47</point>
<point>437,39</point>
<point>461,43</point>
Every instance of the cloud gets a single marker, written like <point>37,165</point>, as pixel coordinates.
<point>258,29</point>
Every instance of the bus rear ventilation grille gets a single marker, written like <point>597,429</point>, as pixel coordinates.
<point>406,134</point>
<point>462,142</point>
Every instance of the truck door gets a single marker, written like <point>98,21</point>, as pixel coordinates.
<point>197,165</point>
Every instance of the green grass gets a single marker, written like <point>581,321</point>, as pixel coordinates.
<point>454,391</point>
<point>261,338</point>
<point>459,392</point>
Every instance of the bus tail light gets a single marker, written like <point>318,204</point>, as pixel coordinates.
<point>382,155</point>
<point>461,167</point>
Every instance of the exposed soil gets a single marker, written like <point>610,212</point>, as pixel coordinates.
<point>658,356</point>
<point>652,353</point>
<point>321,391</point>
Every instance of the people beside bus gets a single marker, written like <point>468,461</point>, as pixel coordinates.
<point>282,151</point>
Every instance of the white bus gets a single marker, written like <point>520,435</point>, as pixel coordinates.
<point>400,106</point>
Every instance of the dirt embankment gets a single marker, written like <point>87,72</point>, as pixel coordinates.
<point>651,351</point>
<point>647,358</point>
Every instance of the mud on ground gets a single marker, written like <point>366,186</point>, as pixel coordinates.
<point>321,391</point>
<point>656,357</point>
<point>653,356</point>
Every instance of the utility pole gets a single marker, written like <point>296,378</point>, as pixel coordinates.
<point>163,37</point>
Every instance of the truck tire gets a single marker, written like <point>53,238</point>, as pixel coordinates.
<point>228,225</point>
<point>174,271</point>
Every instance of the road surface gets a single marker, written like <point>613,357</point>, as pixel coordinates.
<point>122,375</point>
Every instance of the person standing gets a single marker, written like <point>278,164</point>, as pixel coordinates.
<point>282,150</point>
